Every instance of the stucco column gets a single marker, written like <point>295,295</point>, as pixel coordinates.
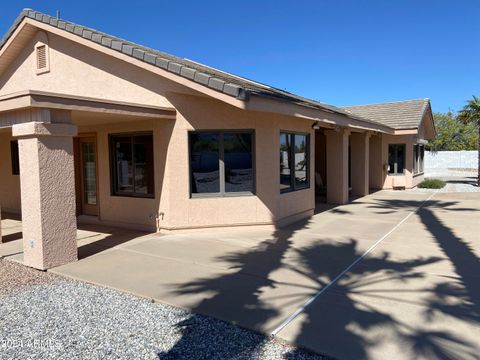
<point>337,166</point>
<point>48,193</point>
<point>360,148</point>
<point>377,173</point>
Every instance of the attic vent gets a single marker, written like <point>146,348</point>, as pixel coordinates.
<point>41,57</point>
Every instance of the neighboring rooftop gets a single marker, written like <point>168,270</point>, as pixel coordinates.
<point>398,115</point>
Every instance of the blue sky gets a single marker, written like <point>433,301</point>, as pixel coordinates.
<point>339,52</point>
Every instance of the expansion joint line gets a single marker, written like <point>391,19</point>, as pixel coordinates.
<point>347,269</point>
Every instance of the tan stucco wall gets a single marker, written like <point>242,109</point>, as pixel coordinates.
<point>417,179</point>
<point>377,172</point>
<point>9,184</point>
<point>427,127</point>
<point>48,194</point>
<point>268,205</point>
<point>321,155</point>
<point>409,141</point>
<point>78,70</point>
<point>172,194</point>
<point>360,159</point>
<point>128,210</point>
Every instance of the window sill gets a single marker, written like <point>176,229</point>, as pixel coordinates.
<point>221,196</point>
<point>134,196</point>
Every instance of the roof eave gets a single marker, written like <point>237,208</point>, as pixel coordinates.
<point>264,104</point>
<point>128,48</point>
<point>232,100</point>
<point>228,92</point>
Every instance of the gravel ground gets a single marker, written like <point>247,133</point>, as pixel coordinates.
<point>14,279</point>
<point>44,316</point>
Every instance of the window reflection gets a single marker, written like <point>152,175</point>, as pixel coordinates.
<point>238,162</point>
<point>301,163</point>
<point>89,173</point>
<point>294,161</point>
<point>124,165</point>
<point>396,159</point>
<point>285,170</point>
<point>221,162</point>
<point>143,159</point>
<point>204,163</point>
<point>133,165</point>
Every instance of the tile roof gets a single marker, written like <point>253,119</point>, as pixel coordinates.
<point>395,115</point>
<point>229,84</point>
<point>398,115</point>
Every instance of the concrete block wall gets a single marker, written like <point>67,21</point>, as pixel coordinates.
<point>464,161</point>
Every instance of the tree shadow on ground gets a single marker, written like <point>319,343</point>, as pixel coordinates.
<point>456,296</point>
<point>468,180</point>
<point>343,320</point>
<point>353,324</point>
<point>236,299</point>
<point>459,253</point>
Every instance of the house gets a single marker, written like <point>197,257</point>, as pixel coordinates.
<point>93,127</point>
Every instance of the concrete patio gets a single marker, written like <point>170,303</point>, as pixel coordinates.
<point>415,292</point>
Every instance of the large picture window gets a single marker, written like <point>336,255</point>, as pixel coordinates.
<point>396,159</point>
<point>131,163</point>
<point>418,157</point>
<point>294,161</point>
<point>221,163</point>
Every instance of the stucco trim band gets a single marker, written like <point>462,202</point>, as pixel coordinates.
<point>36,129</point>
<point>39,99</point>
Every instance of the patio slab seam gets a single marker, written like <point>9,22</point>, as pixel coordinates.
<point>335,280</point>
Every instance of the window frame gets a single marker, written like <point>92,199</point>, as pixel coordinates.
<point>113,165</point>
<point>221,164</point>
<point>415,159</point>
<point>418,159</point>
<point>15,157</point>
<point>293,186</point>
<point>396,173</point>
<point>422,159</point>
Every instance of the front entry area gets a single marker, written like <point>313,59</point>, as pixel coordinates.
<point>86,174</point>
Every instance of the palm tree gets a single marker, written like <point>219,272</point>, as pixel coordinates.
<point>471,114</point>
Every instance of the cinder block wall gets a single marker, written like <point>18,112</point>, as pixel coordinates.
<point>451,160</point>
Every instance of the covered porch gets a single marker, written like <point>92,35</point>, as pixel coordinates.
<point>343,164</point>
<point>91,239</point>
<point>48,179</point>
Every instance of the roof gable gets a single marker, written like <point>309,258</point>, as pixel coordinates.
<point>398,115</point>
<point>84,72</point>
